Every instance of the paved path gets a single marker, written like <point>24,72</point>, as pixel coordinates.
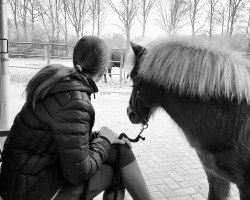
<point>170,167</point>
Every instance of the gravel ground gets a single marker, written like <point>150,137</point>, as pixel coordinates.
<point>22,70</point>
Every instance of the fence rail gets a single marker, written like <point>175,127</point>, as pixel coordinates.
<point>50,51</point>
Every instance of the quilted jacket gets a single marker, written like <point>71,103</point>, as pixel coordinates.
<point>53,143</point>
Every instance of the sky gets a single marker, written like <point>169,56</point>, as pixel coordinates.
<point>152,30</point>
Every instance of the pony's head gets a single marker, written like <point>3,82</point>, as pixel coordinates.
<point>138,110</point>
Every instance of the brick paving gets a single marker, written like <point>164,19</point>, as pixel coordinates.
<point>170,167</point>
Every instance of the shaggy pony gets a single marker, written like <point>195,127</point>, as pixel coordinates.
<point>205,88</point>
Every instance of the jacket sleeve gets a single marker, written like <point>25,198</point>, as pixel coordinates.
<point>71,128</point>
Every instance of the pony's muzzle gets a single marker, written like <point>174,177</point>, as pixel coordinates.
<point>132,116</point>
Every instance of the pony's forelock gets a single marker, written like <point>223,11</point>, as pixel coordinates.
<point>197,68</point>
<point>130,55</point>
<point>129,60</point>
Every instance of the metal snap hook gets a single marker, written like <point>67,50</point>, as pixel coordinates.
<point>144,126</point>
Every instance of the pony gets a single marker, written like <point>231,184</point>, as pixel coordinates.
<point>205,88</point>
<point>116,59</point>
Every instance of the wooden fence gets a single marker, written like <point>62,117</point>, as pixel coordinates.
<point>48,51</point>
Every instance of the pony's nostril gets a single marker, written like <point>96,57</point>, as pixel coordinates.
<point>132,115</point>
<point>129,110</point>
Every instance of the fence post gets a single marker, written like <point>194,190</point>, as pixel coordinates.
<point>47,53</point>
<point>121,65</point>
<point>5,114</point>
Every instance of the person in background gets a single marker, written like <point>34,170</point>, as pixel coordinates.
<point>51,151</point>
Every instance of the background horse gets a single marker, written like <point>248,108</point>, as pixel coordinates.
<point>115,58</point>
<point>206,91</point>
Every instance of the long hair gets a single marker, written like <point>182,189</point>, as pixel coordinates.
<point>194,67</point>
<point>91,54</point>
<point>44,80</point>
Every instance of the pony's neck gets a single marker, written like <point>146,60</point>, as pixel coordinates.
<point>185,112</point>
<point>201,119</point>
<point>175,106</point>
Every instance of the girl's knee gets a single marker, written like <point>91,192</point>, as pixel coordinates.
<point>127,155</point>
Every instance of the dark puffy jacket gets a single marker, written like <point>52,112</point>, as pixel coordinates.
<point>53,143</point>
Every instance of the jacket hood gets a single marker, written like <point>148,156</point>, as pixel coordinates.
<point>75,81</point>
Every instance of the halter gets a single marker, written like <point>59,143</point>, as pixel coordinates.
<point>132,107</point>
<point>138,96</point>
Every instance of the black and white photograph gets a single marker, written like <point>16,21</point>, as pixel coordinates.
<point>124,99</point>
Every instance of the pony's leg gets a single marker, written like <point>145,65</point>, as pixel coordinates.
<point>105,78</point>
<point>218,187</point>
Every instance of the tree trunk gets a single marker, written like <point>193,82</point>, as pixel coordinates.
<point>25,32</point>
<point>98,30</point>
<point>211,26</point>
<point>232,23</point>
<point>192,24</point>
<point>231,29</point>
<point>98,19</point>
<point>66,28</point>
<point>143,26</point>
<point>127,38</point>
<point>77,34</point>
<point>93,26</point>
<point>223,22</point>
<point>25,28</point>
<point>66,37</point>
<point>228,20</point>
<point>16,24</point>
<point>32,29</point>
<point>17,31</point>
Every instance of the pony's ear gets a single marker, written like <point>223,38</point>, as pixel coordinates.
<point>137,49</point>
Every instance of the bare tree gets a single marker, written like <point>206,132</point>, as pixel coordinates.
<point>14,8</point>
<point>246,22</point>
<point>49,15</point>
<point>222,17</point>
<point>101,15</point>
<point>77,13</point>
<point>92,9</point>
<point>64,14</point>
<point>22,14</point>
<point>212,16</point>
<point>171,14</point>
<point>145,7</point>
<point>233,9</point>
<point>195,7</point>
<point>33,15</point>
<point>65,23</point>
<point>126,10</point>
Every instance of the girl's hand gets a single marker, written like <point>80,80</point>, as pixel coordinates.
<point>127,142</point>
<point>110,135</point>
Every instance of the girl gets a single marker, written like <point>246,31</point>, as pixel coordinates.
<point>51,150</point>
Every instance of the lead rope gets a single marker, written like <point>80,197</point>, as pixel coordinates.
<point>118,178</point>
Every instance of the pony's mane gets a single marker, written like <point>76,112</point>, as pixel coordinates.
<point>197,68</point>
